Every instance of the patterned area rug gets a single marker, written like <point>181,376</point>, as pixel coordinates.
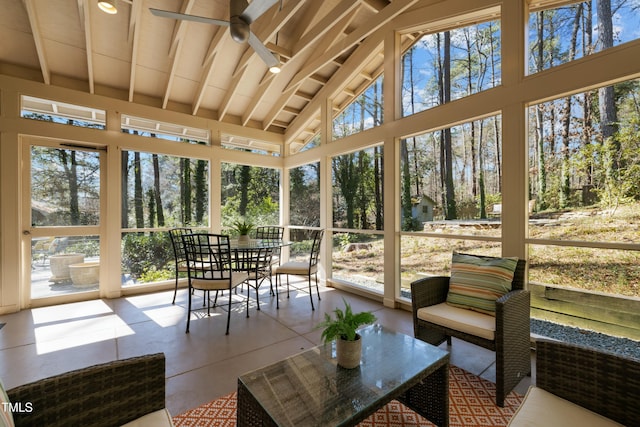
<point>471,403</point>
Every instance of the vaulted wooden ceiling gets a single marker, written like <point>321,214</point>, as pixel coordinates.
<point>197,68</point>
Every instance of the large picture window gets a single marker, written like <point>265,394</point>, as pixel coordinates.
<point>584,158</point>
<point>158,192</point>
<point>251,193</point>
<point>364,112</point>
<point>450,189</point>
<point>449,65</point>
<point>304,191</point>
<point>451,179</point>
<point>358,257</point>
<point>569,32</point>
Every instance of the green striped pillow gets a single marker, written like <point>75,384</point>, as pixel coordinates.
<point>477,282</point>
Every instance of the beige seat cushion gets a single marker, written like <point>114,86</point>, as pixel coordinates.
<point>460,319</point>
<point>295,268</point>
<point>217,284</point>
<point>154,419</point>
<point>541,408</point>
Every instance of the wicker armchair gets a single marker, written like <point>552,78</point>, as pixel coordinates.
<point>598,381</point>
<point>512,327</point>
<point>105,395</point>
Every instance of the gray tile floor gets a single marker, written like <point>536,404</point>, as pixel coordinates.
<point>201,365</point>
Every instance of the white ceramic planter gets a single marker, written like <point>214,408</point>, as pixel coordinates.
<point>349,353</point>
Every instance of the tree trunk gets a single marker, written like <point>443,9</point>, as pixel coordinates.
<point>245,178</point>
<point>496,128</point>
<point>473,161</point>
<point>124,188</point>
<point>138,197</point>
<point>608,115</point>
<point>565,181</point>
<point>481,187</point>
<point>378,171</point>
<point>587,128</point>
<point>186,200</point>
<point>542,164</point>
<point>156,192</point>
<point>201,190</point>
<point>450,192</point>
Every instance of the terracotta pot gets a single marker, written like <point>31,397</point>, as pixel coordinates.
<point>243,238</point>
<point>349,352</point>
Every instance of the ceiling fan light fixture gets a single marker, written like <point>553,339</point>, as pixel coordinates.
<point>275,69</point>
<point>108,6</point>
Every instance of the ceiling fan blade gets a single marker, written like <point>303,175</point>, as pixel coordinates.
<point>256,9</point>
<point>262,51</point>
<point>185,17</point>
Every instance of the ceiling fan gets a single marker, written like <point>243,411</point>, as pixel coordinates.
<point>242,15</point>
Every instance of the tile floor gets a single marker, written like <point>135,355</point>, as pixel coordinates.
<point>201,365</point>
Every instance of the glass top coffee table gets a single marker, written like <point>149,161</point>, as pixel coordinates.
<point>310,389</point>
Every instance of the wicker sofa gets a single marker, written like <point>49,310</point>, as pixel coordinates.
<point>110,394</point>
<point>508,333</point>
<point>579,386</point>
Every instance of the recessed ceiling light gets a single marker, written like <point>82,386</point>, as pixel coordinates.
<point>108,6</point>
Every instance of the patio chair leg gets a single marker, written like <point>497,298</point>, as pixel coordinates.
<point>317,289</point>
<point>287,286</point>
<point>229,314</point>
<point>175,292</point>
<point>271,282</point>
<point>188,312</point>
<point>311,294</point>
<point>247,300</point>
<point>277,296</point>
<point>208,299</point>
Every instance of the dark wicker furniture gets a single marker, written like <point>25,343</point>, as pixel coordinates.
<point>105,395</point>
<point>512,335</point>
<point>602,382</point>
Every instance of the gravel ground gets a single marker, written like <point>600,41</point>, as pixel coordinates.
<point>623,346</point>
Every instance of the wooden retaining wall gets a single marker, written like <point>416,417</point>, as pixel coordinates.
<point>611,315</point>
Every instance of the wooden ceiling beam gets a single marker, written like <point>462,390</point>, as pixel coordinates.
<point>85,22</point>
<point>37,39</point>
<point>175,50</point>
<point>277,20</point>
<point>134,36</point>
<point>351,69</point>
<point>324,44</point>
<point>384,16</point>
<point>326,24</point>
<point>221,36</point>
<point>376,5</point>
<point>291,110</point>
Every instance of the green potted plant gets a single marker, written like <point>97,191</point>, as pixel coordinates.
<point>243,227</point>
<point>343,329</point>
